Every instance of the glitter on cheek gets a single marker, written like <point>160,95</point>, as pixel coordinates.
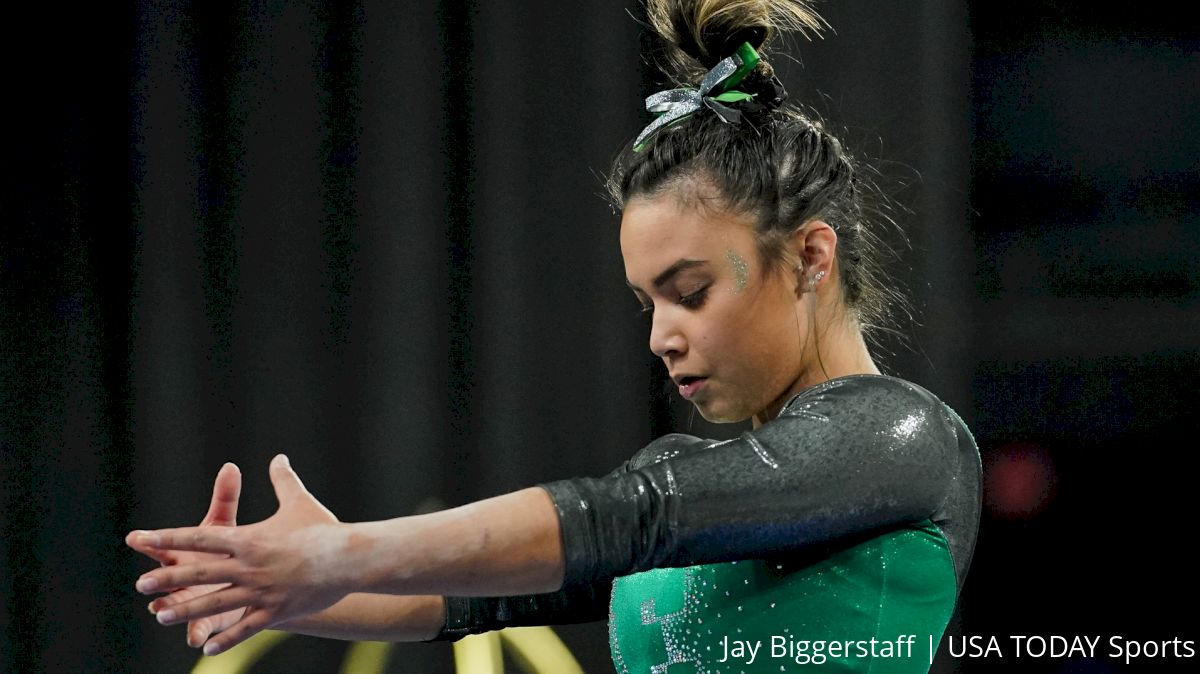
<point>741,270</point>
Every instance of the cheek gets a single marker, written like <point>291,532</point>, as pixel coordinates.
<point>736,339</point>
<point>765,336</point>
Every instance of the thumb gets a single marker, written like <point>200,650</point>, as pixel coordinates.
<point>227,490</point>
<point>285,480</point>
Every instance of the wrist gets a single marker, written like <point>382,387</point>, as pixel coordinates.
<point>375,617</point>
<point>340,562</point>
<point>377,557</point>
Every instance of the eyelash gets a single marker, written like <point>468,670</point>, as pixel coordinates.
<point>691,301</point>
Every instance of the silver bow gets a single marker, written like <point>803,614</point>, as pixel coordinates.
<point>675,104</point>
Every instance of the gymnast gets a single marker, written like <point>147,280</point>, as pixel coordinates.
<point>846,515</point>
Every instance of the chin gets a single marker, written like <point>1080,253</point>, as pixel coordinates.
<point>717,415</point>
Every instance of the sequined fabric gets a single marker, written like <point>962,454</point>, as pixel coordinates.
<point>847,461</point>
<point>768,615</point>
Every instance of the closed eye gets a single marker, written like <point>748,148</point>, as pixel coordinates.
<point>695,299</point>
<point>691,301</point>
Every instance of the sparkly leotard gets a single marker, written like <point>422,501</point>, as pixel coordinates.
<point>837,534</point>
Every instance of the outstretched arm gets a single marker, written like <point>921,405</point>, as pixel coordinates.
<point>850,459</point>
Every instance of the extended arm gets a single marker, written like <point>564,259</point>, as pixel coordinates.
<point>845,459</point>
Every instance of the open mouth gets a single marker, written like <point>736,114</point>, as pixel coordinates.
<point>689,386</point>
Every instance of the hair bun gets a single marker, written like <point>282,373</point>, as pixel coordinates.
<point>699,33</point>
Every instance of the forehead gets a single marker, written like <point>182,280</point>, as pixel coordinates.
<point>658,231</point>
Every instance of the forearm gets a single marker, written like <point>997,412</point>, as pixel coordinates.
<point>375,617</point>
<point>507,545</point>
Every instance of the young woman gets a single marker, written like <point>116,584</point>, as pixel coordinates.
<point>837,531</point>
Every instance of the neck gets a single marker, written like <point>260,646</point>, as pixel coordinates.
<point>842,351</point>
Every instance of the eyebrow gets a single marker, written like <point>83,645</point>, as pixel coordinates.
<point>669,272</point>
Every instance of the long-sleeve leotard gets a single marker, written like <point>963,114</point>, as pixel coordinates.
<point>848,458</point>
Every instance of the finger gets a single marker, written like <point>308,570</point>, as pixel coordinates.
<point>196,539</point>
<point>175,577</point>
<point>211,604</point>
<point>227,490</point>
<point>161,556</point>
<point>285,480</point>
<point>179,596</point>
<point>198,631</point>
<point>167,601</point>
<point>250,624</point>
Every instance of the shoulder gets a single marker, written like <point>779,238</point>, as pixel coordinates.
<point>666,447</point>
<point>877,405</point>
<point>861,392</point>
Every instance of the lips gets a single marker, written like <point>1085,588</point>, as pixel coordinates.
<point>689,385</point>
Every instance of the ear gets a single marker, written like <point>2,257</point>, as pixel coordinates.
<point>815,246</point>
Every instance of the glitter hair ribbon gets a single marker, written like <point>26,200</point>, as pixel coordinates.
<point>714,91</point>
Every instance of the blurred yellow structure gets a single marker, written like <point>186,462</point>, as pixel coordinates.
<point>537,650</point>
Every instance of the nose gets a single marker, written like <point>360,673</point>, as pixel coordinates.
<point>666,337</point>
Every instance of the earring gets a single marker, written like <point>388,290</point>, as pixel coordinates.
<point>812,283</point>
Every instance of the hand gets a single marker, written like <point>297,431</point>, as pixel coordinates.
<point>283,567</point>
<point>222,512</point>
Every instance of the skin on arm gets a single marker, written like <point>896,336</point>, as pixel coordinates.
<point>506,545</point>
<point>374,617</point>
<point>303,561</point>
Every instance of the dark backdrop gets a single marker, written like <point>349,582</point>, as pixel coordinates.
<point>372,235</point>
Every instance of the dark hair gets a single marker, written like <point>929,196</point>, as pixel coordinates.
<point>780,165</point>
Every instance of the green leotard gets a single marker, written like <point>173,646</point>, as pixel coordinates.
<point>892,592</point>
